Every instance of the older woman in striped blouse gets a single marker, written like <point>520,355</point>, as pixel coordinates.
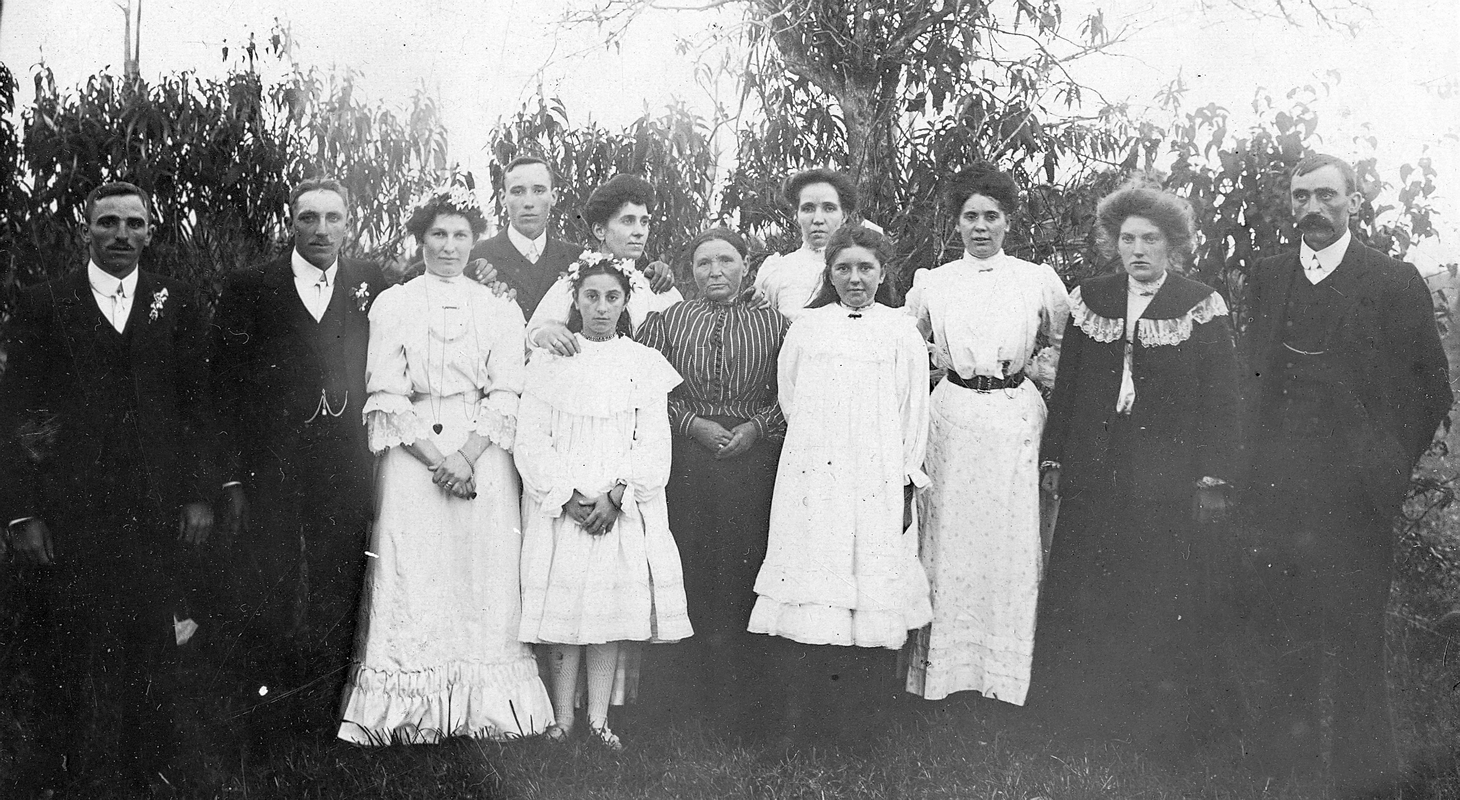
<point>727,440</point>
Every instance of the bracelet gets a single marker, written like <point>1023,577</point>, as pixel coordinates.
<point>1048,465</point>
<point>470,466</point>
<point>609,494</point>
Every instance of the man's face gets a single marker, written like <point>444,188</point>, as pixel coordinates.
<point>117,231</point>
<point>528,193</point>
<point>1322,205</point>
<point>320,221</point>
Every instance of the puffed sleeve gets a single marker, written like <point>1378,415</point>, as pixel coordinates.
<point>496,417</point>
<point>912,384</point>
<point>552,310</point>
<point>544,472</point>
<point>390,419</point>
<point>787,365</point>
<point>1053,315</point>
<point>649,453</point>
<point>916,303</point>
<point>643,305</point>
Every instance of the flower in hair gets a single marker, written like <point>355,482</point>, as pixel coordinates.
<point>458,197</point>
<point>637,280</point>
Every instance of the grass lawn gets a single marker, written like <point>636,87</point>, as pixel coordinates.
<point>961,748</point>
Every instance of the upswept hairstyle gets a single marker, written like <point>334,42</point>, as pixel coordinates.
<point>119,189</point>
<point>456,201</point>
<point>855,236</point>
<point>575,319</point>
<point>711,234</point>
<point>1317,161</point>
<point>321,183</point>
<point>614,194</point>
<point>846,190</point>
<point>1142,197</point>
<point>985,179</point>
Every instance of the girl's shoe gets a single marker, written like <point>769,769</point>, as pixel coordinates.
<point>556,733</point>
<point>606,738</point>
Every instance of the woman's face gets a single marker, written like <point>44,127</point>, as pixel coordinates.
<point>624,234</point>
<point>982,224</point>
<point>819,213</point>
<point>447,245</point>
<point>855,274</point>
<point>600,301</point>
<point>718,270</point>
<point>1144,250</point>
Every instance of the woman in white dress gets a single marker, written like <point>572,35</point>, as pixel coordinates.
<point>996,323</point>
<point>619,214</point>
<point>438,652</point>
<point>841,576</point>
<point>600,570</point>
<point>823,199</point>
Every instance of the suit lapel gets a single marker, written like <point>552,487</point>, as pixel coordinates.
<point>141,314</point>
<point>1349,281</point>
<point>79,316</point>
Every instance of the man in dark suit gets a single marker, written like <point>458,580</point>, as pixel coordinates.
<point>527,260</point>
<point>289,381</point>
<point>1346,384</point>
<point>105,477</point>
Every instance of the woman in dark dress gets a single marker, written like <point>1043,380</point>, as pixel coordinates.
<point>1140,443</point>
<point>727,439</point>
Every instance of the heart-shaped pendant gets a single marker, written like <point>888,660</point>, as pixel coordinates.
<point>436,427</point>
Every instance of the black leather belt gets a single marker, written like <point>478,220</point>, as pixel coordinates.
<point>983,383</point>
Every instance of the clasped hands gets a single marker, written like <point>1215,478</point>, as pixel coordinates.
<point>598,513</point>
<point>723,443</point>
<point>454,474</point>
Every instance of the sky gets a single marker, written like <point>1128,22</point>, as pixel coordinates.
<point>1398,74</point>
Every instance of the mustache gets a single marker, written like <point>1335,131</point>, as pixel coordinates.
<point>1314,221</point>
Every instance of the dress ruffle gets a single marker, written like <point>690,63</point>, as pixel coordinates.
<point>494,426</point>
<point>386,429</point>
<point>811,623</point>
<point>484,701</point>
<point>1149,332</point>
<point>620,380</point>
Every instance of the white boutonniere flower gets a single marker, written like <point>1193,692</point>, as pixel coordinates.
<point>159,299</point>
<point>362,296</point>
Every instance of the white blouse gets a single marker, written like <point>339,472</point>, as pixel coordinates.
<point>791,281</point>
<point>983,315</point>
<point>445,338</point>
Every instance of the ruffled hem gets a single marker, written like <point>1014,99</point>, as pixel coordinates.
<point>386,429</point>
<point>498,428</point>
<point>1149,332</point>
<point>809,623</point>
<point>483,701</point>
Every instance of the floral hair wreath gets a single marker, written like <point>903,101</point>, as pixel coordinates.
<point>457,197</point>
<point>637,281</point>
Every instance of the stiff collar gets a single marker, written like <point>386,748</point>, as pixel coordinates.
<point>1329,257</point>
<point>105,284</point>
<point>524,244</point>
<point>1139,289</point>
<point>305,271</point>
<point>984,264</point>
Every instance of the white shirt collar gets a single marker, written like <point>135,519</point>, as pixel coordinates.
<point>1139,289</point>
<point>983,264</point>
<point>306,272</point>
<point>524,244</point>
<point>105,284</point>
<point>1328,258</point>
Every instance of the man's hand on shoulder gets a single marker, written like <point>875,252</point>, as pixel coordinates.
<point>482,271</point>
<point>661,277</point>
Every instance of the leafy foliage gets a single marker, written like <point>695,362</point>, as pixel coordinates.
<point>219,157</point>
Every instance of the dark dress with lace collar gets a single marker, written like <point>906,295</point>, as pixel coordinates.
<point>1117,640</point>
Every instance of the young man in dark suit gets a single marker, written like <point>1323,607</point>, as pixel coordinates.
<point>106,477</point>
<point>525,258</point>
<point>1347,382</point>
<point>289,381</point>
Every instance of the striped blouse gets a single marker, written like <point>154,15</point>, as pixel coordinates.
<point>727,355</point>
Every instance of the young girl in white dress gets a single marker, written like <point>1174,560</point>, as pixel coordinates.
<point>600,570</point>
<point>438,649</point>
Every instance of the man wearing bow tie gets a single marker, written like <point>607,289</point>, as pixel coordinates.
<point>289,378</point>
<point>106,477</point>
<point>1346,384</point>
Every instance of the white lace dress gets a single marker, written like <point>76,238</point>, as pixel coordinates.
<point>438,653</point>
<point>839,568</point>
<point>980,518</point>
<point>588,422</point>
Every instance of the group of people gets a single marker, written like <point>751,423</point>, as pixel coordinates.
<point>521,466</point>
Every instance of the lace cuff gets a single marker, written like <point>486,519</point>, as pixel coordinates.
<point>495,426</point>
<point>385,429</point>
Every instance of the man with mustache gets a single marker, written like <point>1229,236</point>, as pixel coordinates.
<point>106,480</point>
<point>289,378</point>
<point>1346,384</point>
